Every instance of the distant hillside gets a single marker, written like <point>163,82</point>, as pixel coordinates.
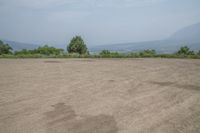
<point>19,46</point>
<point>189,36</point>
<point>162,46</point>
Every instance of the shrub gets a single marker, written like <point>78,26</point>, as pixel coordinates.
<point>105,52</point>
<point>148,53</point>
<point>43,51</point>
<point>185,51</point>
<point>109,54</point>
<point>46,50</point>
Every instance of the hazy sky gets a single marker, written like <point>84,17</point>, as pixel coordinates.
<point>98,21</point>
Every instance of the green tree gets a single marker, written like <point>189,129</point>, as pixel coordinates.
<point>77,45</point>
<point>185,51</point>
<point>5,48</point>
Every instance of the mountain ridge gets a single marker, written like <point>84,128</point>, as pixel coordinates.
<point>20,45</point>
<point>189,35</point>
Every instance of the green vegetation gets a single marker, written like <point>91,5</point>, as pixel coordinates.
<point>4,48</point>
<point>77,45</point>
<point>105,52</point>
<point>78,49</point>
<point>40,51</point>
<point>148,53</point>
<point>185,51</point>
<point>109,54</point>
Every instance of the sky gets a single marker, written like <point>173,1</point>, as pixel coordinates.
<point>99,22</point>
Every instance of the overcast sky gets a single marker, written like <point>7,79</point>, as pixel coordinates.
<point>97,21</point>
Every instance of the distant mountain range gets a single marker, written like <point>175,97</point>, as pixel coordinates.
<point>189,36</point>
<point>19,45</point>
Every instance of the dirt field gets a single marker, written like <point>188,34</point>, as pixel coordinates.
<point>99,96</point>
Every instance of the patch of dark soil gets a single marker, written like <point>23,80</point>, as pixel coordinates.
<point>111,80</point>
<point>173,84</point>
<point>85,60</point>
<point>52,61</point>
<point>162,83</point>
<point>63,119</point>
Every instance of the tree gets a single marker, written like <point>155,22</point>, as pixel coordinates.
<point>77,45</point>
<point>5,48</point>
<point>185,51</point>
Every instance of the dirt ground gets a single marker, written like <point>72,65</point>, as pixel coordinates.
<point>99,96</point>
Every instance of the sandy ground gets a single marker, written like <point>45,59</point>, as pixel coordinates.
<point>99,96</point>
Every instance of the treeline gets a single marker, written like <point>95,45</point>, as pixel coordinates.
<point>183,52</point>
<point>78,49</point>
<point>40,51</point>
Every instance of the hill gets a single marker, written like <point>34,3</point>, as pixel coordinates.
<point>19,45</point>
<point>189,36</point>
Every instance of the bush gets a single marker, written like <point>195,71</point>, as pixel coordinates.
<point>42,51</point>
<point>148,53</point>
<point>185,51</point>
<point>46,50</point>
<point>104,52</point>
<point>108,54</point>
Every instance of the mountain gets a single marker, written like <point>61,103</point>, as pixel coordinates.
<point>161,46</point>
<point>19,45</point>
<point>189,36</point>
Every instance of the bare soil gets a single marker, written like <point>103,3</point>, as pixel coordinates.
<point>99,96</point>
